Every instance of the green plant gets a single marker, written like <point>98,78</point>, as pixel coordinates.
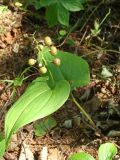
<point>47,93</point>
<point>18,81</point>
<point>97,26</point>
<point>106,152</point>
<point>96,31</point>
<point>57,11</point>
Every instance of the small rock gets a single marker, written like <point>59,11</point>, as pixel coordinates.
<point>16,48</point>
<point>67,124</point>
<point>44,153</point>
<point>26,153</point>
<point>105,72</point>
<point>113,133</point>
<point>77,120</point>
<point>117,157</point>
<point>92,105</point>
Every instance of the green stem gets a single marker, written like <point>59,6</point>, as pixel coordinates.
<point>84,112</point>
<point>91,15</point>
<point>105,16</point>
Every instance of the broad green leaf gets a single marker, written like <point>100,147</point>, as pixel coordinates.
<point>55,73</point>
<point>51,15</point>
<point>71,5</point>
<point>2,145</point>
<point>44,125</point>
<point>107,151</point>
<point>40,79</point>
<point>81,156</point>
<point>47,2</point>
<point>38,101</point>
<point>63,15</point>
<point>73,68</point>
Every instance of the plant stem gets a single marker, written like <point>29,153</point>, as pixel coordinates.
<point>91,15</point>
<point>84,112</point>
<point>105,17</point>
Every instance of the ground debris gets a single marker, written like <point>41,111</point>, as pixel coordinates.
<point>26,153</point>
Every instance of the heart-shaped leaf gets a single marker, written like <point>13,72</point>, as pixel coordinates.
<point>81,156</point>
<point>107,151</point>
<point>74,69</point>
<point>38,101</point>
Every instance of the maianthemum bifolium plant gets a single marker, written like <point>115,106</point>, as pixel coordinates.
<point>60,73</point>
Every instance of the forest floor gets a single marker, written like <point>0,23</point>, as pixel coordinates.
<point>101,98</point>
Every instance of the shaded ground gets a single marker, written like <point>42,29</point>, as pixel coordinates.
<point>101,99</point>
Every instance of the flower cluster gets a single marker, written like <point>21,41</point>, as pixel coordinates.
<point>47,42</point>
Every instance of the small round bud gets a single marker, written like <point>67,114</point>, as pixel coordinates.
<point>41,47</point>
<point>31,61</point>
<point>57,61</point>
<point>43,70</point>
<point>48,41</point>
<point>53,50</point>
<point>18,4</point>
